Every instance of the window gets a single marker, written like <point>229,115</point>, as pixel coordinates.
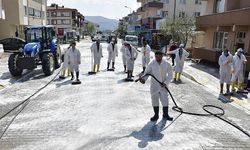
<point>241,35</point>
<point>53,21</point>
<point>198,2</point>
<point>47,14</point>
<point>37,13</point>
<point>182,1</point>
<point>25,11</point>
<point>182,14</point>
<point>48,22</point>
<point>164,14</point>
<point>220,6</point>
<point>220,40</point>
<point>197,14</point>
<point>67,21</point>
<point>53,14</point>
<point>31,12</point>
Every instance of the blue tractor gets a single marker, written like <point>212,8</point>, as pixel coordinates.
<point>41,49</point>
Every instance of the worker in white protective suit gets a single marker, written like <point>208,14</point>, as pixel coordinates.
<point>112,53</point>
<point>238,68</point>
<point>162,71</point>
<point>74,60</point>
<point>65,64</point>
<point>180,55</point>
<point>225,62</point>
<point>123,51</point>
<point>248,82</point>
<point>96,50</point>
<point>131,55</point>
<point>145,55</point>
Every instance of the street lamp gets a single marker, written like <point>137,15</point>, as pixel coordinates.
<point>129,8</point>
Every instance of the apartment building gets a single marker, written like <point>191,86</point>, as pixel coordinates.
<point>153,12</point>
<point>226,24</point>
<point>65,19</point>
<point>21,13</point>
<point>2,13</point>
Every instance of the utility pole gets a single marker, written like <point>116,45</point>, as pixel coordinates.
<point>174,11</point>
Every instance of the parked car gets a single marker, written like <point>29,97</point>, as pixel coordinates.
<point>104,38</point>
<point>131,39</point>
<point>12,44</point>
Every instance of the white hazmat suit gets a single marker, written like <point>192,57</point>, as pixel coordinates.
<point>131,55</point>
<point>112,52</point>
<point>163,72</point>
<point>145,55</point>
<point>179,60</point>
<point>97,53</point>
<point>225,63</point>
<point>74,59</point>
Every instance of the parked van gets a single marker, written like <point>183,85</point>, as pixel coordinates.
<point>131,39</point>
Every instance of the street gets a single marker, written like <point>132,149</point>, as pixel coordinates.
<point>104,112</point>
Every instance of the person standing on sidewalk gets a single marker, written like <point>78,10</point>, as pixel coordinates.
<point>96,50</point>
<point>162,70</point>
<point>112,53</point>
<point>180,55</point>
<point>145,55</point>
<point>225,62</point>
<point>131,55</point>
<point>74,60</point>
<point>238,68</point>
<point>123,51</point>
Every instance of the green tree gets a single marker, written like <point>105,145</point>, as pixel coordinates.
<point>91,28</point>
<point>181,30</point>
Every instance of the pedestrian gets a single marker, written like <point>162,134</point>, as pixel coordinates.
<point>112,53</point>
<point>74,60</point>
<point>162,71</point>
<point>123,51</point>
<point>238,68</point>
<point>131,55</point>
<point>145,55</point>
<point>180,55</point>
<point>96,50</point>
<point>225,62</point>
<point>173,46</point>
<point>65,63</point>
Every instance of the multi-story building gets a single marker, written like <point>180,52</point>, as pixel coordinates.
<point>21,13</point>
<point>2,14</point>
<point>64,19</point>
<point>226,24</point>
<point>153,12</point>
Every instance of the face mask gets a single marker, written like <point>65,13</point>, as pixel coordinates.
<point>226,54</point>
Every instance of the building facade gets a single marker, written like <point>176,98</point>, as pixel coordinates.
<point>27,12</point>
<point>226,24</point>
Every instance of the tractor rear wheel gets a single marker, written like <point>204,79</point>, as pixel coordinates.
<point>13,68</point>
<point>48,64</point>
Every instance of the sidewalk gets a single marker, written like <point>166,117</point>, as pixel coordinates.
<point>208,77</point>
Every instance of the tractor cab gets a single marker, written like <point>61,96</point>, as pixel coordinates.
<point>41,49</point>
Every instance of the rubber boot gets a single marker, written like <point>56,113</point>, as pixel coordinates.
<point>175,76</point>
<point>165,114</point>
<point>77,76</point>
<point>179,77</point>
<point>94,68</point>
<point>156,115</point>
<point>143,69</point>
<point>128,75</point>
<point>240,87</point>
<point>63,72</point>
<point>98,67</point>
<point>125,68</point>
<point>72,75</point>
<point>68,72</point>
<point>233,86</point>
<point>113,65</point>
<point>108,65</point>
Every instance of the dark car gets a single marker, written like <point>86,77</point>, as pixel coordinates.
<point>12,44</point>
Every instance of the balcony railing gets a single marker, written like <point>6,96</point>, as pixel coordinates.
<point>229,18</point>
<point>153,4</point>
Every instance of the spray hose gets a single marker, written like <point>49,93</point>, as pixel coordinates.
<point>205,108</point>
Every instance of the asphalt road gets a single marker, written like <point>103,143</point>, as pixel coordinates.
<point>104,112</point>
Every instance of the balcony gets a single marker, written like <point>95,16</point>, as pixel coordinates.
<point>239,17</point>
<point>140,10</point>
<point>153,4</point>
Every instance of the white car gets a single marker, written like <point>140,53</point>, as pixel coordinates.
<point>131,39</point>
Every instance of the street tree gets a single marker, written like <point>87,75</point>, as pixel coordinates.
<point>181,30</point>
<point>91,28</point>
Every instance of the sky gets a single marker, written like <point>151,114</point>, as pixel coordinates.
<point>113,9</point>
